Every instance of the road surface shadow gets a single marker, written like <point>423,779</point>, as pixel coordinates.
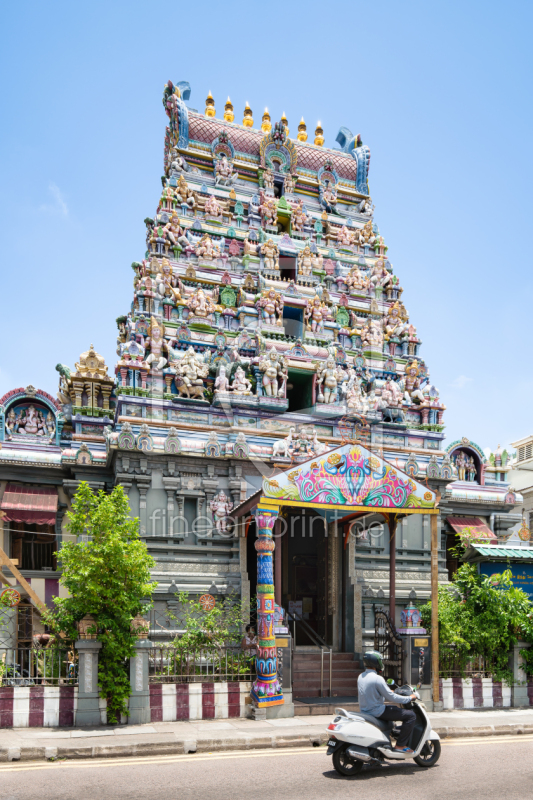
<point>378,771</point>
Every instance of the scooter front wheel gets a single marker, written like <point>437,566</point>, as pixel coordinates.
<point>430,753</point>
<point>344,764</point>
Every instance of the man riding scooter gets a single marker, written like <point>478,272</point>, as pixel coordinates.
<point>373,691</point>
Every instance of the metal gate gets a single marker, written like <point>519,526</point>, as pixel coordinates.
<point>388,643</point>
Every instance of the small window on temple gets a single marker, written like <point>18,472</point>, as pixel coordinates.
<point>293,322</point>
<point>300,391</point>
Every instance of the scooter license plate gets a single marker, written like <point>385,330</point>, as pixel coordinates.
<point>332,743</point>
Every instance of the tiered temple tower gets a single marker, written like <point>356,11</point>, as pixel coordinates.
<point>266,326</point>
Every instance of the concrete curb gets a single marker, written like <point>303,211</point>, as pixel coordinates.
<point>203,745</point>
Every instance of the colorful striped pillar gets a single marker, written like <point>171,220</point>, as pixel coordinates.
<point>266,690</point>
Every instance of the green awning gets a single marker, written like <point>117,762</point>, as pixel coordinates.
<point>504,551</point>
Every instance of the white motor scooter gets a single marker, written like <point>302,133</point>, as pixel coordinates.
<point>357,738</point>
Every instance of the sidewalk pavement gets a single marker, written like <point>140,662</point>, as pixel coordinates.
<point>168,738</point>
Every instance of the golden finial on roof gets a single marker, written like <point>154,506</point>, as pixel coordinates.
<point>266,124</point>
<point>319,135</point>
<point>229,116</point>
<point>248,120</point>
<point>284,121</point>
<point>209,106</point>
<point>302,131</point>
<point>91,365</point>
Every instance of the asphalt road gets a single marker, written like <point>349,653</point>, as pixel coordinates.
<point>499,767</point>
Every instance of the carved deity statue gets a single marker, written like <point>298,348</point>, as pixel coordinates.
<point>356,281</point>
<point>330,376</point>
<point>379,275</point>
<point>212,207</point>
<point>328,197</point>
<point>275,373</point>
<point>200,304</point>
<point>178,163</point>
<point>270,252</point>
<point>221,506</point>
<point>413,384</point>
<point>270,304</point>
<point>175,233</point>
<point>289,183</point>
<point>396,321</point>
<point>222,381</point>
<point>269,210</point>
<point>354,392</point>
<point>190,373</point>
<point>241,384</point>
<point>460,465</point>
<point>305,261</point>
<point>315,314</point>
<point>345,237</point>
<point>225,174</point>
<point>391,394</point>
<point>367,233</point>
<point>298,217</point>
<point>268,179</point>
<point>184,194</point>
<point>157,345</point>
<point>206,249</point>
<point>372,334</point>
<point>365,207</point>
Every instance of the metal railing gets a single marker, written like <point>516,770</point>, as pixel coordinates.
<point>30,666</point>
<point>169,664</point>
<point>388,643</point>
<point>454,664</point>
<point>318,641</point>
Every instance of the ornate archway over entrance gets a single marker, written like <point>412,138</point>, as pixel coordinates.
<point>350,479</point>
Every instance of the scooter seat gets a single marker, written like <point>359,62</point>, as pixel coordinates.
<point>382,724</point>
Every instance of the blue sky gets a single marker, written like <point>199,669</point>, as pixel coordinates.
<point>441,93</point>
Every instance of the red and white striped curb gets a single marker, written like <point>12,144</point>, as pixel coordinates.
<point>37,706</point>
<point>188,701</point>
<point>477,693</point>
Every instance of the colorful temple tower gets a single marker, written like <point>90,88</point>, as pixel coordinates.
<point>267,327</point>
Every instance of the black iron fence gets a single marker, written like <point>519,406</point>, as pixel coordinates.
<point>173,664</point>
<point>455,663</point>
<point>30,666</point>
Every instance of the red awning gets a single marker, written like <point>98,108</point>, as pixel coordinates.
<point>29,504</point>
<point>459,523</point>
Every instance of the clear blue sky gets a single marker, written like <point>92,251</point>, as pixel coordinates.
<point>441,93</point>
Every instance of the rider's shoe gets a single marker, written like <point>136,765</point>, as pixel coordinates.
<point>406,750</point>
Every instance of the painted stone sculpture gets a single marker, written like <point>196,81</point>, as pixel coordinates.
<point>275,374</point>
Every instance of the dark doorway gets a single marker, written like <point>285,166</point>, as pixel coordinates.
<point>278,187</point>
<point>305,573</point>
<point>299,390</point>
<point>251,568</point>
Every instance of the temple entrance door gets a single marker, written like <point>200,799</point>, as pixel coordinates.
<point>304,569</point>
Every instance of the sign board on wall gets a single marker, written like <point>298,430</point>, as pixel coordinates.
<point>522,574</point>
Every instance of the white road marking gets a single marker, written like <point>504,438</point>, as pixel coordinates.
<point>240,754</point>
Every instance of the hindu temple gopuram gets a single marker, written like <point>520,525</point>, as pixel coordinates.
<point>267,327</point>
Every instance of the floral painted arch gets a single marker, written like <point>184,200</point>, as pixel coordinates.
<point>349,477</point>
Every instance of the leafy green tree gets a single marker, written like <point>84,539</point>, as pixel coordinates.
<point>482,616</point>
<point>107,576</point>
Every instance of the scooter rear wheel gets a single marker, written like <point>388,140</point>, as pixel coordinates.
<point>430,753</point>
<point>344,764</point>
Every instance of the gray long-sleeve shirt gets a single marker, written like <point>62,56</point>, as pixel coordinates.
<point>373,690</point>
